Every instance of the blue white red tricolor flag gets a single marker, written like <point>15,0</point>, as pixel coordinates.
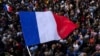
<point>41,27</point>
<point>7,8</point>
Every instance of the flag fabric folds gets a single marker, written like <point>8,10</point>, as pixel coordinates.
<point>64,25</point>
<point>41,27</point>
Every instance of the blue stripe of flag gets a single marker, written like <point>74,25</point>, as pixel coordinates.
<point>4,7</point>
<point>29,27</point>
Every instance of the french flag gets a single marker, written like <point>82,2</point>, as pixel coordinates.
<point>41,27</point>
<point>7,8</point>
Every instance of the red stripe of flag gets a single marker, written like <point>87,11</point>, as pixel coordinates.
<point>64,26</point>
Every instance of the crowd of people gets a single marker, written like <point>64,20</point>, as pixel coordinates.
<point>83,41</point>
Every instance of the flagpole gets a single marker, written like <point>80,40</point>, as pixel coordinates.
<point>29,51</point>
